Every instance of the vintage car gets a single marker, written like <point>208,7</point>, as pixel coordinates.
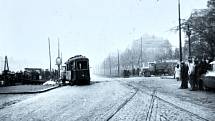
<point>209,78</point>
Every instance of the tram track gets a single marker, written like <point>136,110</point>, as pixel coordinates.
<point>122,105</point>
<point>151,106</point>
<point>155,96</point>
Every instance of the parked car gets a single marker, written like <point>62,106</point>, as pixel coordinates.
<point>209,78</point>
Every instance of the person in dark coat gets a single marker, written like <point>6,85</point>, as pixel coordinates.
<point>202,69</point>
<point>184,76</point>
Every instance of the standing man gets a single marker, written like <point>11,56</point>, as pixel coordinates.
<point>191,67</point>
<point>184,76</point>
<point>196,74</point>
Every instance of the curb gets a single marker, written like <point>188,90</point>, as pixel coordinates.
<point>32,92</point>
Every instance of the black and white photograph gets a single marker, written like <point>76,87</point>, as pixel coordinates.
<point>107,60</point>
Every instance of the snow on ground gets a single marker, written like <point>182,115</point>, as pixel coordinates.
<point>139,109</point>
<point>189,106</point>
<point>50,82</point>
<point>97,78</point>
<point>210,73</point>
<point>135,110</point>
<point>94,102</point>
<point>201,103</point>
<point>8,100</point>
<point>171,87</point>
<point>164,111</point>
<point>24,88</point>
<point>116,99</point>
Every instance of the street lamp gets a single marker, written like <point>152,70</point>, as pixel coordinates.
<point>58,61</point>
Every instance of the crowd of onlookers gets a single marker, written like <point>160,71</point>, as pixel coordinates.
<point>192,72</point>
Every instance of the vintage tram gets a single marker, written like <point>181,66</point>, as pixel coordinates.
<point>77,70</point>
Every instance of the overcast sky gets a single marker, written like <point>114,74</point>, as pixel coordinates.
<point>93,28</point>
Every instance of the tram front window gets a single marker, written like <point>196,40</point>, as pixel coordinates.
<point>82,65</point>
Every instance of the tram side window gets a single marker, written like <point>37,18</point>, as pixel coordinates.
<point>82,64</point>
<point>69,66</point>
<point>73,65</point>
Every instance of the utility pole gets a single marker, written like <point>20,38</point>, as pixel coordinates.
<point>58,60</point>
<point>118,64</point>
<point>110,64</point>
<point>179,21</point>
<point>50,58</point>
<point>104,68</point>
<point>141,53</point>
<point>188,34</point>
<point>98,69</point>
<point>132,62</point>
<point>61,59</point>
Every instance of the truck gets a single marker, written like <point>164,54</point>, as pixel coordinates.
<point>159,68</point>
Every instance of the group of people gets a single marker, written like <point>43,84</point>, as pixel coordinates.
<point>192,72</point>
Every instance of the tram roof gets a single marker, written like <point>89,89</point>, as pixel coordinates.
<point>77,57</point>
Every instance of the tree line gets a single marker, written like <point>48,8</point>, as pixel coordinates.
<point>143,50</point>
<point>202,28</point>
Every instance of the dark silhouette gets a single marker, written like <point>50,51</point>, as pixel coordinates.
<point>184,76</point>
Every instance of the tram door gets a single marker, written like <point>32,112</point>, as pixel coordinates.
<point>70,71</point>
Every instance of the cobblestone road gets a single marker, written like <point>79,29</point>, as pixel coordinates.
<point>139,99</point>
